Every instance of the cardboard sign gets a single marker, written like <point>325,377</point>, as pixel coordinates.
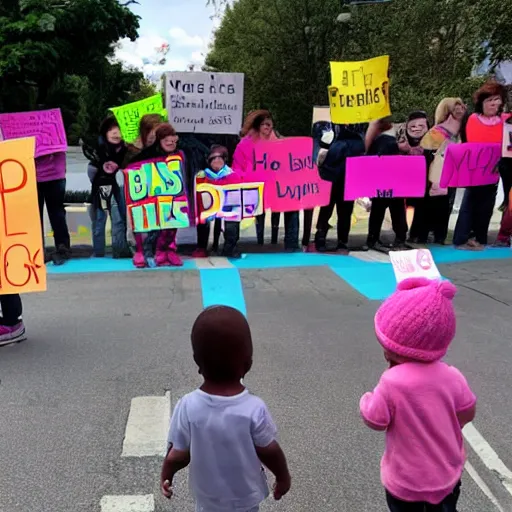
<point>359,91</point>
<point>45,125</point>
<point>129,116</point>
<point>155,195</point>
<point>291,178</point>
<point>22,266</point>
<point>385,176</point>
<point>506,149</point>
<point>470,165</point>
<point>417,263</point>
<point>232,202</point>
<point>201,102</point>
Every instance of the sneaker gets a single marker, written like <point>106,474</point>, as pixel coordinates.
<point>501,243</point>
<point>174,259</point>
<point>342,248</point>
<point>235,254</point>
<point>61,255</point>
<point>199,253</point>
<point>13,334</point>
<point>470,246</point>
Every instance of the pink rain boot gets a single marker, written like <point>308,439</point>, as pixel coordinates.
<point>170,242</point>
<point>161,250</point>
<point>138,258</point>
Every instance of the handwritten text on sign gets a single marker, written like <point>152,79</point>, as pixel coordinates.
<point>45,125</point>
<point>232,202</point>
<point>128,116</point>
<point>359,91</point>
<point>385,176</point>
<point>155,195</point>
<point>21,245</point>
<point>290,175</point>
<point>470,164</point>
<point>201,102</point>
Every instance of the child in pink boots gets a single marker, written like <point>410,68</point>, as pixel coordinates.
<point>420,402</point>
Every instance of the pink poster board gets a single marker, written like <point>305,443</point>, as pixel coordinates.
<point>385,176</point>
<point>290,175</point>
<point>470,164</point>
<point>45,125</point>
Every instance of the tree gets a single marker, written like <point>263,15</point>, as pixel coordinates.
<point>59,53</point>
<point>284,48</point>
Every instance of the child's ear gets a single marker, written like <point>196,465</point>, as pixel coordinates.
<point>196,360</point>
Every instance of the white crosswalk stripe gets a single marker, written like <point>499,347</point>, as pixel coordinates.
<point>140,503</point>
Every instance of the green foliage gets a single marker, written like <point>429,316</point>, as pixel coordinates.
<point>58,53</point>
<point>284,48</point>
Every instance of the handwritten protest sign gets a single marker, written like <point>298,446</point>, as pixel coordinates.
<point>129,116</point>
<point>291,178</point>
<point>45,125</point>
<point>417,263</point>
<point>233,202</point>
<point>22,266</point>
<point>506,149</point>
<point>202,102</point>
<point>359,91</point>
<point>155,195</point>
<point>470,164</point>
<point>385,176</point>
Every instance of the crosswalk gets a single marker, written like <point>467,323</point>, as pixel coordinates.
<point>146,436</point>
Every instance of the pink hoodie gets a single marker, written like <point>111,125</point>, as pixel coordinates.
<point>243,155</point>
<point>422,407</point>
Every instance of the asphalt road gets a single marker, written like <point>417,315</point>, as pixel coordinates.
<point>98,340</point>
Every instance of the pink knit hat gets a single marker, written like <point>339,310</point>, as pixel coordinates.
<point>418,320</point>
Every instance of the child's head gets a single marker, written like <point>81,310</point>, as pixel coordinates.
<point>167,137</point>
<point>147,128</point>
<point>222,344</point>
<point>418,321</point>
<point>110,131</point>
<point>217,157</point>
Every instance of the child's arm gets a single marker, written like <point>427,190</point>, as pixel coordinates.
<point>466,416</point>
<point>178,456</point>
<point>272,456</point>
<point>264,432</point>
<point>175,461</point>
<point>375,410</point>
<point>465,399</point>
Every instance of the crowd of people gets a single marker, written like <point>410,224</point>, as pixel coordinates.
<point>225,434</point>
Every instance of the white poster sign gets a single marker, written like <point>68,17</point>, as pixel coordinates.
<point>416,263</point>
<point>507,141</point>
<point>203,102</point>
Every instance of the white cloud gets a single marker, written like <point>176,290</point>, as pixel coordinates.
<point>180,38</point>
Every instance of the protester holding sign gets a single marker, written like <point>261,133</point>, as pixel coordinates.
<point>484,126</point>
<point>106,195</point>
<point>218,172</point>
<point>259,125</point>
<point>381,141</point>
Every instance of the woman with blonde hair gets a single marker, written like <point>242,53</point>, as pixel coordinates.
<point>433,213</point>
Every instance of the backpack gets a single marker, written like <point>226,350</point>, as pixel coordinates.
<point>333,166</point>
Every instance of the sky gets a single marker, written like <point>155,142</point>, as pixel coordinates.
<point>185,25</point>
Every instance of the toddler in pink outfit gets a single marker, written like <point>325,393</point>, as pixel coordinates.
<point>420,402</point>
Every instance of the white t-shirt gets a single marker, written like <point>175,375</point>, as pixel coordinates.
<point>221,434</point>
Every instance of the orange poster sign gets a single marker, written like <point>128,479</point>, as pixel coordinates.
<point>21,245</point>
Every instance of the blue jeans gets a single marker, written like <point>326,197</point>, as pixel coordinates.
<point>52,193</point>
<point>99,220</point>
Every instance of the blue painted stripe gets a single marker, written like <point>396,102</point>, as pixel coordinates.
<point>222,286</point>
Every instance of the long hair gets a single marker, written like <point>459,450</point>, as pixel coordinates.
<point>445,108</point>
<point>164,130</point>
<point>254,120</point>
<point>147,124</point>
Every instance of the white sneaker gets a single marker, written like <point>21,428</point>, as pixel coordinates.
<point>13,334</point>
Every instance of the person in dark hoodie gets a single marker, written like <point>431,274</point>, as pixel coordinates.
<point>381,140</point>
<point>335,148</point>
<point>104,163</point>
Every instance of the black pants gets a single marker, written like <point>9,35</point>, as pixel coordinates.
<point>11,309</point>
<point>398,219</point>
<point>203,234</point>
<point>505,168</point>
<point>344,211</point>
<point>449,504</point>
<point>475,214</point>
<point>52,193</point>
<point>432,213</point>
<point>231,237</point>
<point>291,228</point>
<point>308,224</point>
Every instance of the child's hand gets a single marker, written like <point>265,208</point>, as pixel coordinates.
<point>281,487</point>
<point>167,489</point>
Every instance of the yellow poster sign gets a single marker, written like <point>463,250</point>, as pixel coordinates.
<point>22,266</point>
<point>359,91</point>
<point>128,116</point>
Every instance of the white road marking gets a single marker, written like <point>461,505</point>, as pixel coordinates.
<point>128,503</point>
<point>202,263</point>
<point>147,426</point>
<point>488,456</point>
<point>483,486</point>
<point>371,256</point>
